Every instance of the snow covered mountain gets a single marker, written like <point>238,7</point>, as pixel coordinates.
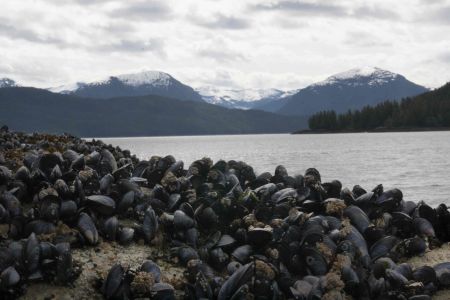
<point>7,82</point>
<point>360,76</point>
<point>128,85</point>
<point>241,99</point>
<point>352,89</point>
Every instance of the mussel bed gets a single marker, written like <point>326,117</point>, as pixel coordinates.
<point>83,219</point>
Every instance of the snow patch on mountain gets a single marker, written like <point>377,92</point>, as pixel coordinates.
<point>66,88</point>
<point>360,76</point>
<point>153,78</point>
<point>214,94</point>
<point>242,99</point>
<point>146,77</point>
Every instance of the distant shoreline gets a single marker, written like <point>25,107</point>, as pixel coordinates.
<point>408,129</point>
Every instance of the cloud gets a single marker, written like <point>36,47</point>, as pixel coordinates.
<point>221,55</point>
<point>261,43</point>
<point>149,11</point>
<point>155,45</point>
<point>444,57</point>
<point>304,7</point>
<point>17,33</point>
<point>327,8</point>
<point>365,39</point>
<point>374,12</point>
<point>220,21</point>
<point>441,15</point>
<point>220,50</point>
<point>79,2</point>
<point>221,78</point>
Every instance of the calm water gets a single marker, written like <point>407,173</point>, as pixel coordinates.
<point>416,162</point>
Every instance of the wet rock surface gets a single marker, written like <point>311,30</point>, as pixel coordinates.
<point>82,219</point>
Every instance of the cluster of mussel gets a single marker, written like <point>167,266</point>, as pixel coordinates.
<point>238,235</point>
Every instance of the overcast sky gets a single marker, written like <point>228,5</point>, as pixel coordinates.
<point>284,44</point>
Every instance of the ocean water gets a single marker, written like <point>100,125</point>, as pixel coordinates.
<point>418,163</point>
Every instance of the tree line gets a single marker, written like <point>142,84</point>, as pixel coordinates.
<point>431,109</point>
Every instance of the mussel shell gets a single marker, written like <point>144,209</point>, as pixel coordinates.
<point>424,274</point>
<point>315,262</point>
<point>49,210</point>
<point>350,277</point>
<point>10,255</point>
<point>106,184</point>
<point>207,218</point>
<point>405,269</point>
<point>259,237</point>
<point>108,163</point>
<point>87,228</point>
<point>150,225</point>
<point>443,273</point>
<point>357,217</point>
<point>78,163</point>
<point>9,277</point>
<point>126,202</point>
<point>64,264</point>
<point>182,221</point>
<point>110,228</point>
<point>40,227</point>
<point>125,235</point>
<point>360,243</point>
<point>390,200</point>
<point>401,224</point>
<point>423,227</point>
<point>49,160</point>
<point>383,246</point>
<point>162,291</point>
<point>226,242</point>
<point>186,253</point>
<point>149,266</point>
<point>113,285</point>
<point>396,279</point>
<point>23,174</point>
<point>32,254</point>
<point>218,258</point>
<point>101,204</point>
<point>284,195</point>
<point>68,209</point>
<point>235,281</point>
<point>242,253</point>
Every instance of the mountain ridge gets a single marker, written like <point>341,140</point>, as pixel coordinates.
<point>352,89</point>
<point>31,109</point>
<point>132,84</point>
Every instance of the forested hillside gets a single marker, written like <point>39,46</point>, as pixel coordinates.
<point>431,109</point>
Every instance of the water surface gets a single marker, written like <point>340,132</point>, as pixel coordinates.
<point>416,162</point>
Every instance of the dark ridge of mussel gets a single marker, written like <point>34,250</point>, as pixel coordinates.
<point>272,235</point>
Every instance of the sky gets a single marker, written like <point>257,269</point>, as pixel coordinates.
<point>285,44</point>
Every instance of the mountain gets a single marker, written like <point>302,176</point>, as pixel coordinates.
<point>128,85</point>
<point>352,89</point>
<point>244,98</point>
<point>31,109</point>
<point>6,82</point>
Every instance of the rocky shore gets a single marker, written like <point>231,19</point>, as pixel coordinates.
<point>85,220</point>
